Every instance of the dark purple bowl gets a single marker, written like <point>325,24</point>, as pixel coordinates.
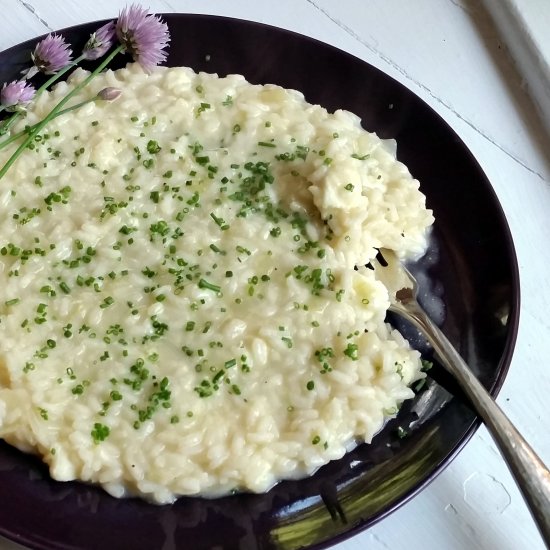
<point>471,268</point>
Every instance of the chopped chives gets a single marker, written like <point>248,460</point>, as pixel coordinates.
<point>220,222</point>
<point>205,284</point>
<point>352,351</point>
<point>214,248</point>
<point>107,302</point>
<point>64,287</point>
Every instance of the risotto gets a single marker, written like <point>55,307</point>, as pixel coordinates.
<point>185,309</point>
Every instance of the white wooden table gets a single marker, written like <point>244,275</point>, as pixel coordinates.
<point>449,53</point>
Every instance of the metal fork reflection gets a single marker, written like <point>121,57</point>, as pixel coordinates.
<point>530,473</point>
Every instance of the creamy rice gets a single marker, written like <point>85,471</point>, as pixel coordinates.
<point>180,312</point>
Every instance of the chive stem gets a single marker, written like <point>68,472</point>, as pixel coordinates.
<point>58,108</point>
<point>15,137</point>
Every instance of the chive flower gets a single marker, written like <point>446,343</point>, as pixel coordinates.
<point>16,95</point>
<point>109,94</point>
<point>142,35</point>
<point>100,42</point>
<point>49,56</point>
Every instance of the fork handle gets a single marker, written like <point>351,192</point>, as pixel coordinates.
<point>530,473</point>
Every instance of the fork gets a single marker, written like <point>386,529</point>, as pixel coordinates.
<point>530,473</point>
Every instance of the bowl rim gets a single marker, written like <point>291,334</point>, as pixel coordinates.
<point>507,240</point>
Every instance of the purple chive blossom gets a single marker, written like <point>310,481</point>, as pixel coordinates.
<point>100,42</point>
<point>144,36</point>
<point>16,94</point>
<point>109,94</point>
<point>50,55</point>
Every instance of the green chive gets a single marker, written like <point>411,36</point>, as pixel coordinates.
<point>205,284</point>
